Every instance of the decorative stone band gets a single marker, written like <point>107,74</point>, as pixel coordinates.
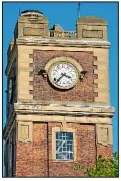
<point>25,129</point>
<point>63,110</point>
<point>60,42</point>
<point>61,119</point>
<point>24,134</point>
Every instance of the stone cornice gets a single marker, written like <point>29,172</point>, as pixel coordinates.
<point>78,110</point>
<point>58,112</point>
<point>62,42</point>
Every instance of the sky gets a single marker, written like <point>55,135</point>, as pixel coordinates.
<point>65,14</point>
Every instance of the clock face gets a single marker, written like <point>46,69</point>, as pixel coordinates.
<point>63,75</point>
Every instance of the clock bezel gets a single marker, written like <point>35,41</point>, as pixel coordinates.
<point>60,87</point>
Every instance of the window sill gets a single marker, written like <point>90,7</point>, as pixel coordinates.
<point>64,161</point>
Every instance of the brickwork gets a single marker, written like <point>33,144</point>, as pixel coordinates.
<point>85,151</point>
<point>83,91</point>
<point>105,151</point>
<point>31,158</point>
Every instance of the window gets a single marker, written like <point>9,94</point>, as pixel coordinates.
<point>64,146</point>
<point>10,159</point>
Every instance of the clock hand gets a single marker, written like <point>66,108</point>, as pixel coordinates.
<point>68,76</point>
<point>60,77</point>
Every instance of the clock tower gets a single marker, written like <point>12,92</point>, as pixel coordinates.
<point>58,108</point>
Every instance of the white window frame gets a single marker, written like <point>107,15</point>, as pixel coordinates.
<point>58,129</point>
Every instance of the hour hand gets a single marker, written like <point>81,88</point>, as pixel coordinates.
<point>67,76</point>
<point>60,77</point>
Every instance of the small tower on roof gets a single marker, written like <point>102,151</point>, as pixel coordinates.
<point>92,28</point>
<point>31,23</point>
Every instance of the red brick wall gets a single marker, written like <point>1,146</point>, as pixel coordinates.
<point>32,158</point>
<point>85,154</point>
<point>43,90</point>
<point>105,151</point>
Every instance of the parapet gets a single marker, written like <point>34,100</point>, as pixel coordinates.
<point>33,24</point>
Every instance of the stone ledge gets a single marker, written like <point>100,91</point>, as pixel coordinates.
<point>61,42</point>
<point>64,113</point>
<point>60,107</point>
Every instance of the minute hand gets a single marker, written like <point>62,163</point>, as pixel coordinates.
<point>60,77</point>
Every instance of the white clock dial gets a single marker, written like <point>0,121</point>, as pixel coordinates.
<point>63,75</point>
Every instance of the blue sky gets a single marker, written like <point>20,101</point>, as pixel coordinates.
<point>65,14</point>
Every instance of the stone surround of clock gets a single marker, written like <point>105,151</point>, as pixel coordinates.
<point>55,118</point>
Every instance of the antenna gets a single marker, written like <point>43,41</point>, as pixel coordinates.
<point>78,10</point>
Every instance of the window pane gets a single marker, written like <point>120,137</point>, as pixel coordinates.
<point>64,133</point>
<point>61,156</point>
<point>70,136</point>
<point>58,156</point>
<point>64,156</point>
<point>64,149</point>
<point>58,135</point>
<point>58,143</point>
<point>64,146</point>
<point>68,157</point>
<point>69,142</point>
<point>68,147</point>
<point>71,156</point>
<point>65,137</point>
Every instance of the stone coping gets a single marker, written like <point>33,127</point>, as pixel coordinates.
<point>62,42</point>
<point>84,105</point>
